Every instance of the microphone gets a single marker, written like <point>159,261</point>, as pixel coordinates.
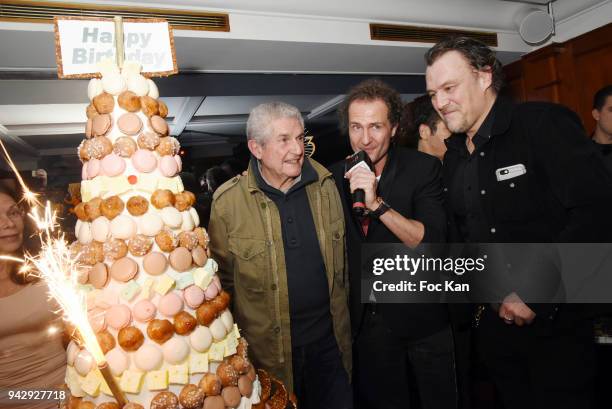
<point>358,159</point>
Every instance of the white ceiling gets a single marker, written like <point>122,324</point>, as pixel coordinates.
<point>273,37</point>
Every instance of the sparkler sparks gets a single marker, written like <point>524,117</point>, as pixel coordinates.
<point>59,268</point>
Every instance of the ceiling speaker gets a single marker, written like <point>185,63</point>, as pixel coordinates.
<point>534,25</point>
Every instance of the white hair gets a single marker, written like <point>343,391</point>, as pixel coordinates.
<point>258,125</point>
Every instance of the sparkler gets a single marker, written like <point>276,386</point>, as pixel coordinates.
<point>58,267</point>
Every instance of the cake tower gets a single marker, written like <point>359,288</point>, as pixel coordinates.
<point>153,296</point>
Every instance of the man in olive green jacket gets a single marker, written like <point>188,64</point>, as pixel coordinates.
<point>278,236</point>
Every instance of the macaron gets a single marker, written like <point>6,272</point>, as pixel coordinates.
<point>195,216</point>
<point>100,124</point>
<point>217,329</point>
<point>84,174</point>
<point>187,223</point>
<point>211,291</point>
<point>113,165</point>
<point>159,125</point>
<point>117,361</point>
<point>199,256</point>
<point>175,350</point>
<point>84,235</point>
<point>227,319</point>
<point>107,299</point>
<point>171,217</point>
<point>155,263</point>
<point>94,88</point>
<point>231,396</point>
<point>214,402</point>
<point>201,339</point>
<point>129,123</point>
<point>123,227</point>
<point>118,316</point>
<point>138,84</point>
<point>71,352</point>
<point>168,166</point>
<point>194,296</point>
<point>148,357</point>
<point>93,168</point>
<point>245,386</point>
<point>124,269</point>
<point>98,275</point>
<point>97,319</point>
<point>150,224</point>
<point>84,362</point>
<point>170,304</point>
<point>180,259</point>
<point>144,161</point>
<point>100,229</point>
<point>179,162</point>
<point>144,311</point>
<point>89,128</point>
<point>153,91</point>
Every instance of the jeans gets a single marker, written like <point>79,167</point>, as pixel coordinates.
<point>319,378</point>
<point>394,372</point>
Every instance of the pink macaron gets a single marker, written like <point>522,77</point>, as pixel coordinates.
<point>113,165</point>
<point>179,162</point>
<point>118,316</point>
<point>170,304</point>
<point>93,168</point>
<point>144,311</point>
<point>168,166</point>
<point>211,291</point>
<point>194,296</point>
<point>144,161</point>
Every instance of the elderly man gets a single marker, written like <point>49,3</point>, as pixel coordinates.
<point>278,235</point>
<point>520,173</point>
<point>403,196</point>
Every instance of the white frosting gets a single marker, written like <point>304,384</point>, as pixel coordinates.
<point>195,216</point>
<point>148,357</point>
<point>227,319</point>
<point>171,217</point>
<point>153,91</point>
<point>84,235</point>
<point>114,83</point>
<point>100,229</point>
<point>201,339</point>
<point>138,84</point>
<point>94,88</point>
<point>150,223</point>
<point>123,227</point>
<point>188,224</point>
<point>217,329</point>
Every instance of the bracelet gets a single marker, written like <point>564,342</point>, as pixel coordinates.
<point>382,208</point>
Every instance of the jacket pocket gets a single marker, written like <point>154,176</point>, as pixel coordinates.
<point>250,262</point>
<point>513,199</point>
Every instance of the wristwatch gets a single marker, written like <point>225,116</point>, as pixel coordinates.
<point>380,210</point>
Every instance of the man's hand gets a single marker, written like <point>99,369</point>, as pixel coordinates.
<point>362,178</point>
<point>514,310</point>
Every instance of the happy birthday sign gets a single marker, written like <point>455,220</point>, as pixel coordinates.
<point>81,43</point>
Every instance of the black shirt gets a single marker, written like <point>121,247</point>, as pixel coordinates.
<point>309,309</point>
<point>465,196</point>
<point>606,152</point>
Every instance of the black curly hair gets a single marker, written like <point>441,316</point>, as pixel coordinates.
<point>371,90</point>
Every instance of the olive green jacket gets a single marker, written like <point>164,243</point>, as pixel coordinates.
<point>246,240</point>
